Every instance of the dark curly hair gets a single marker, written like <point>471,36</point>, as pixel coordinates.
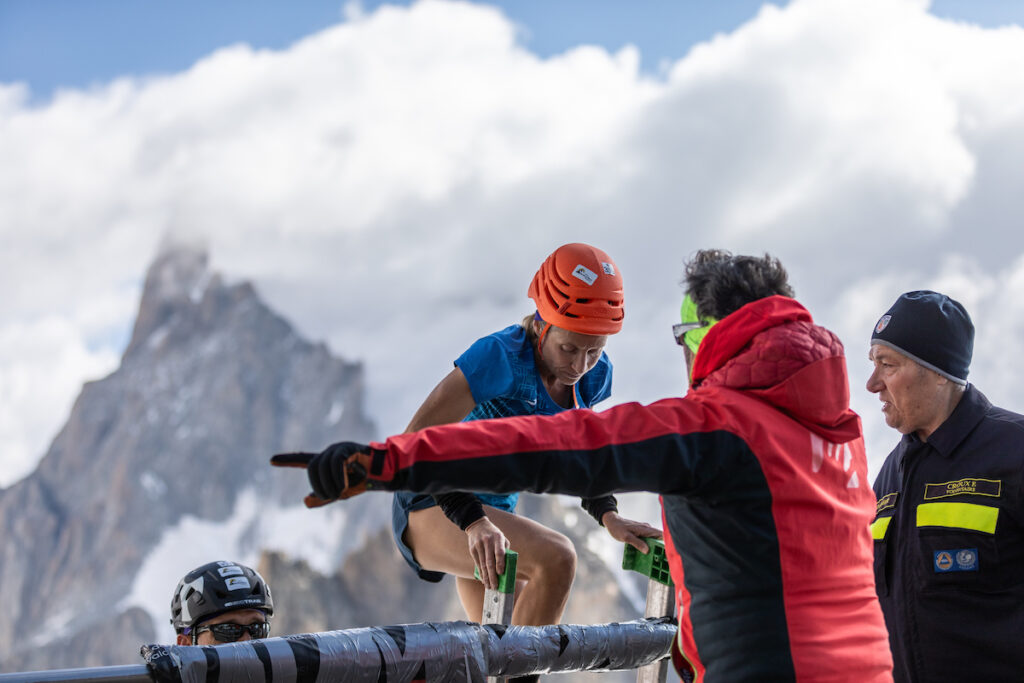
<point>721,283</point>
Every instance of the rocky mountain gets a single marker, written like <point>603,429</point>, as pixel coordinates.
<point>162,466</point>
<point>211,383</point>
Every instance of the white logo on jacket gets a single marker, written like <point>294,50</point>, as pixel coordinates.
<point>840,452</point>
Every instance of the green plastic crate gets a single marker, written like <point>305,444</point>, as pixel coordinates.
<point>506,581</point>
<point>653,565</point>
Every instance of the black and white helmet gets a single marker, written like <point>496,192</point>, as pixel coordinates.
<point>215,588</point>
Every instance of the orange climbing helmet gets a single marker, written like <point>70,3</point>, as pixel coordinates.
<point>579,288</point>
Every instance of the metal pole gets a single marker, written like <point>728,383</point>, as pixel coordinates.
<point>660,600</point>
<point>127,673</point>
<point>498,603</point>
<point>454,652</point>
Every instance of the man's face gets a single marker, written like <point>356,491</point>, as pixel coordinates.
<point>911,395</point>
<point>243,617</point>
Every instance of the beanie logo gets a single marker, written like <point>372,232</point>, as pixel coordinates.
<point>883,322</point>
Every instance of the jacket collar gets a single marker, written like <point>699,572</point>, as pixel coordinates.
<point>735,331</point>
<point>968,413</point>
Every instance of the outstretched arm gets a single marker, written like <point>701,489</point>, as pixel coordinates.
<point>666,447</point>
<point>629,447</point>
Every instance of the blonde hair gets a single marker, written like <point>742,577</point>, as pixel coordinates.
<point>527,324</point>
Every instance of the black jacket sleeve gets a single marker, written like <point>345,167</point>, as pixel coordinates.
<point>596,507</point>
<point>461,508</point>
<point>673,446</point>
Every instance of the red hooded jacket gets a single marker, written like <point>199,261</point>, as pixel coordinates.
<point>763,482</point>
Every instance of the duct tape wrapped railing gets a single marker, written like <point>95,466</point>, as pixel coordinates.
<point>449,651</point>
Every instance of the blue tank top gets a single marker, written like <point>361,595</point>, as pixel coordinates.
<point>504,381</point>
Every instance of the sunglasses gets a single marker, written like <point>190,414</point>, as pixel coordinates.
<point>229,633</point>
<point>680,330</point>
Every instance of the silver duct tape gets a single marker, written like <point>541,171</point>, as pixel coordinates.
<point>348,657</point>
<point>191,662</point>
<point>282,663</point>
<point>521,650</point>
<point>238,663</point>
<point>460,652</point>
<point>449,651</point>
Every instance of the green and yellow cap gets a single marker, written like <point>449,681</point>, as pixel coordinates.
<point>692,329</point>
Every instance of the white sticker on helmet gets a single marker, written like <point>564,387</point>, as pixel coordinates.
<point>581,272</point>
<point>237,583</point>
<point>608,268</point>
<point>194,586</point>
<point>233,570</point>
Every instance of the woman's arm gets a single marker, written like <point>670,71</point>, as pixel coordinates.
<point>450,401</point>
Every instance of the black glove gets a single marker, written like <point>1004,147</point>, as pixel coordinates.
<point>163,665</point>
<point>337,473</point>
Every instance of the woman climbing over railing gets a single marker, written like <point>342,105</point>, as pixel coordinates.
<point>552,361</point>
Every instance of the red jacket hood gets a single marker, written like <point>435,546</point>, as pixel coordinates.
<point>772,350</point>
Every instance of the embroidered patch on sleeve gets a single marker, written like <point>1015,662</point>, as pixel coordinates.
<point>887,501</point>
<point>960,560</point>
<point>964,487</point>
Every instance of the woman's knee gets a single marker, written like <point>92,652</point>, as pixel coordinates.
<point>557,557</point>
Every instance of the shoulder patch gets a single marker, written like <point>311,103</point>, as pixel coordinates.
<point>964,487</point>
<point>886,502</point>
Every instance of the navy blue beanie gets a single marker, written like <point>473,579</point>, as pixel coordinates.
<point>932,330</point>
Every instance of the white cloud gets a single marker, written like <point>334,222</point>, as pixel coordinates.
<point>44,364</point>
<point>391,184</point>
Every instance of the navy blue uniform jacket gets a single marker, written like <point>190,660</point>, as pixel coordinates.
<point>949,547</point>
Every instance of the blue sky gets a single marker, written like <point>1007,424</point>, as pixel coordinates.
<point>50,44</point>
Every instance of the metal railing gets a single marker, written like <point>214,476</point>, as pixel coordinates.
<point>447,651</point>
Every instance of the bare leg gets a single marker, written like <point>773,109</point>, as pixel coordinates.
<point>547,561</point>
<point>471,595</point>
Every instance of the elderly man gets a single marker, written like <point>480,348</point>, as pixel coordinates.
<point>760,467</point>
<point>949,530</point>
<point>221,602</point>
